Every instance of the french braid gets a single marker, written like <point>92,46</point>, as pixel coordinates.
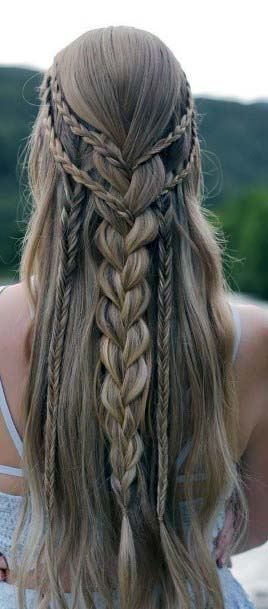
<point>125,352</point>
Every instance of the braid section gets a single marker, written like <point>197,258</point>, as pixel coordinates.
<point>71,223</point>
<point>129,221</point>
<point>163,347</point>
<point>124,352</point>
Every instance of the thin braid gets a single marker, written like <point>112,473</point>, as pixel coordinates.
<point>108,149</point>
<point>81,176</point>
<point>99,141</point>
<point>71,222</point>
<point>176,134</point>
<point>163,346</point>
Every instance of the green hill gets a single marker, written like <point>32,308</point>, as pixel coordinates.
<point>237,134</point>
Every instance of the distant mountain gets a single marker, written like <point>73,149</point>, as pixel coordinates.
<point>18,96</point>
<point>234,136</point>
<point>237,134</point>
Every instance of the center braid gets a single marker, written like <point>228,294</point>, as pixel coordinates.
<point>125,356</point>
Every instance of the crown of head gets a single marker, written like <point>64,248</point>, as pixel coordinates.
<point>50,90</point>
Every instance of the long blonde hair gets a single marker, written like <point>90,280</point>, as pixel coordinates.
<point>130,348</point>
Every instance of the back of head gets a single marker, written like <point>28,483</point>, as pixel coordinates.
<point>130,347</point>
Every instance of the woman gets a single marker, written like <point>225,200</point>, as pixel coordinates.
<point>135,421</point>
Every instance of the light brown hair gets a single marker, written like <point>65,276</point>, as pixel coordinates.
<point>131,344</point>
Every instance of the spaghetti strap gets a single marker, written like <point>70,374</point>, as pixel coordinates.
<point>11,427</point>
<point>9,422</point>
<point>11,470</point>
<point>184,453</point>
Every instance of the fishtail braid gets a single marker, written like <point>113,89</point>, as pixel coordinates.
<point>165,215</point>
<point>171,545</point>
<point>71,222</point>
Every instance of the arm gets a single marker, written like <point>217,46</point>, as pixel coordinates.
<point>3,567</point>
<point>252,376</point>
<point>32,577</point>
<point>255,465</point>
<point>254,458</point>
<point>255,461</point>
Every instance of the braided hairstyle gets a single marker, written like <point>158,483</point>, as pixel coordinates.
<point>116,192</point>
<point>128,225</point>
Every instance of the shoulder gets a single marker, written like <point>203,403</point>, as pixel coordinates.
<point>14,316</point>
<point>253,346</point>
<point>251,367</point>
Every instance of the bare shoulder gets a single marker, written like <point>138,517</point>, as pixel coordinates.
<point>253,347</point>
<point>251,367</point>
<point>14,316</point>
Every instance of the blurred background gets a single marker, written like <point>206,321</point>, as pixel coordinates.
<point>221,46</point>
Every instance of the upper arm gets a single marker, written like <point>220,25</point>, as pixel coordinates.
<point>252,372</point>
<point>13,324</point>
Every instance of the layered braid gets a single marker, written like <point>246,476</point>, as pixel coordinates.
<point>125,356</point>
<point>125,351</point>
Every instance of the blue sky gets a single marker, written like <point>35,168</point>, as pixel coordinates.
<point>221,45</point>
